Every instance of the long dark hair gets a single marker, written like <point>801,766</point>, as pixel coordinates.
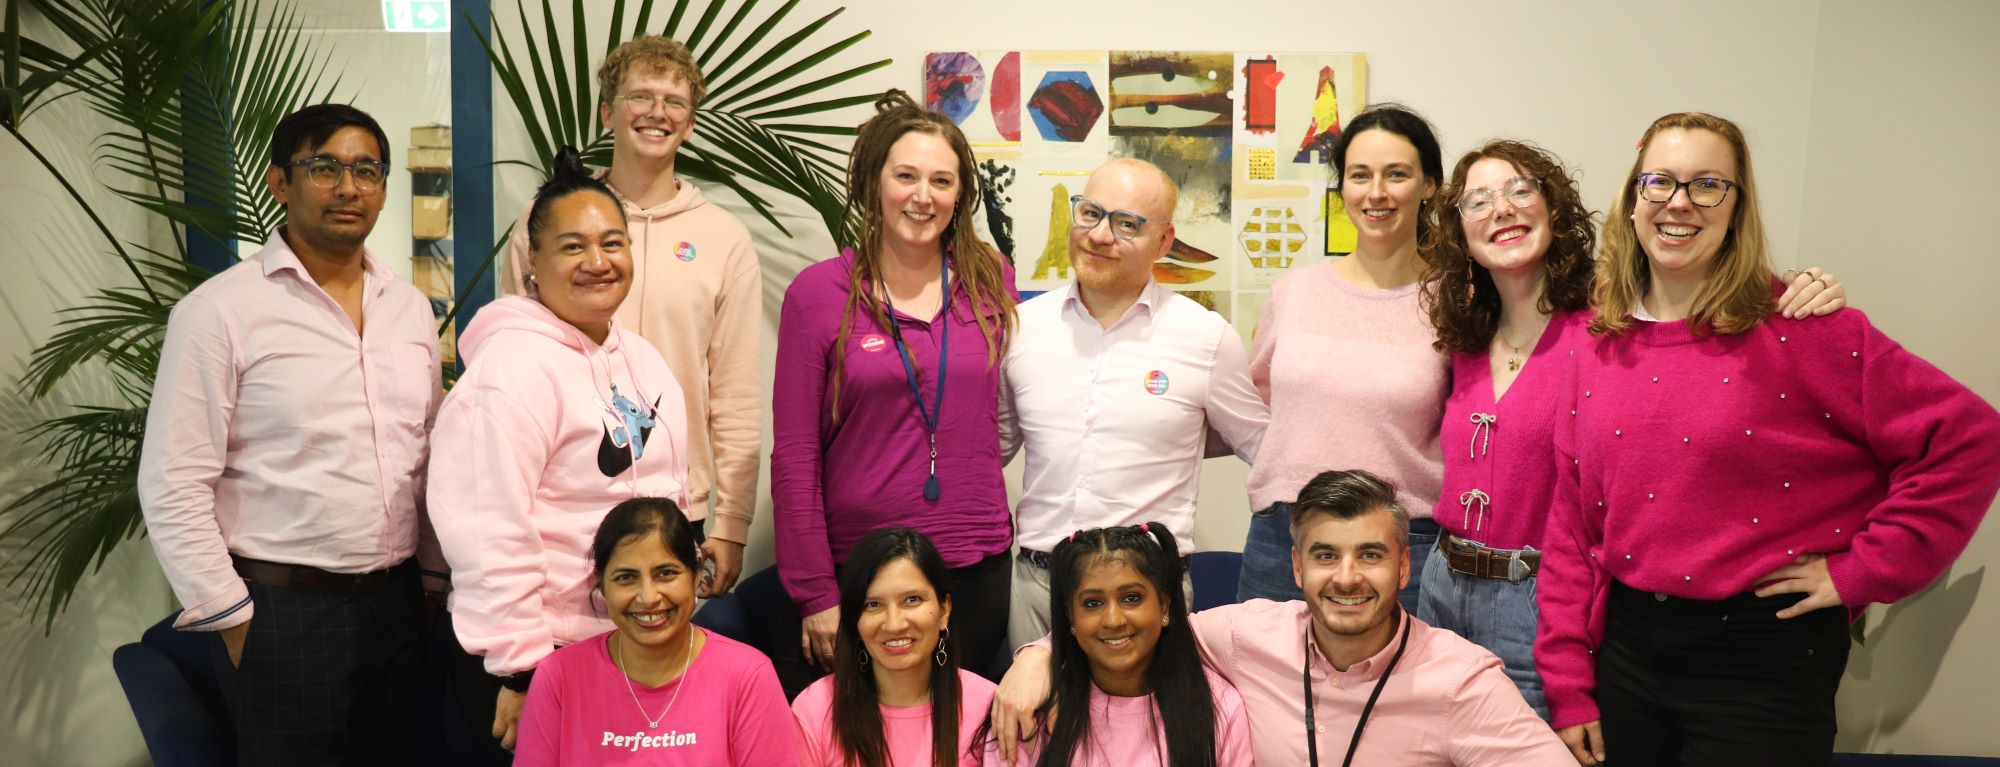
<point>1179,687</point>
<point>1405,122</point>
<point>977,266</point>
<point>857,718</point>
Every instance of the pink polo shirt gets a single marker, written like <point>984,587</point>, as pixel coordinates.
<point>1130,732</point>
<point>278,432</point>
<point>1447,704</point>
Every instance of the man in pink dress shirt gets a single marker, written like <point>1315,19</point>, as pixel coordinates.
<point>1347,668</point>
<point>283,466</point>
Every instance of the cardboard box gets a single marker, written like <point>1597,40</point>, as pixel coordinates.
<point>424,158</point>
<point>431,135</point>
<point>430,217</point>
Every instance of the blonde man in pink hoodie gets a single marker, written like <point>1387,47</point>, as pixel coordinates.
<point>697,292</point>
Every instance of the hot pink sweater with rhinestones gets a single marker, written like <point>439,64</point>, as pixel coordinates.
<point>1695,466</point>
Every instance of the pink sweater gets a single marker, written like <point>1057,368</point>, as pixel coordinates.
<point>1498,477</point>
<point>579,712</point>
<point>1353,383</point>
<point>1695,466</point>
<point>907,730</point>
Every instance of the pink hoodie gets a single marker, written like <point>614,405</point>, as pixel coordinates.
<point>530,450</point>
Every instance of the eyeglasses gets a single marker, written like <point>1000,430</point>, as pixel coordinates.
<point>1125,224</point>
<point>1520,191</point>
<point>642,103</point>
<point>325,172</point>
<point>1660,188</point>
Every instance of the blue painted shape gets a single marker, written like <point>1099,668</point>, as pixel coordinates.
<point>1065,106</point>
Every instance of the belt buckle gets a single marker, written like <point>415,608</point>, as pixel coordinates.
<point>1517,565</point>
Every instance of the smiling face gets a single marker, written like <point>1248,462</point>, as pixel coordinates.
<point>1513,237</point>
<point>658,132</point>
<point>332,218</point>
<point>1383,187</point>
<point>920,189</point>
<point>1350,571</point>
<point>1679,237</point>
<point>648,592</point>
<point>1116,617</point>
<point>583,267</point>
<point>900,619</point>
<point>1104,262</point>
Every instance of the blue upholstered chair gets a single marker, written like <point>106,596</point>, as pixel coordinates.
<point>169,678</point>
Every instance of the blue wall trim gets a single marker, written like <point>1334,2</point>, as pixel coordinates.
<point>471,157</point>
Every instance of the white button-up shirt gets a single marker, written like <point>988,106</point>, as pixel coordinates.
<point>277,432</point>
<point>1115,420</point>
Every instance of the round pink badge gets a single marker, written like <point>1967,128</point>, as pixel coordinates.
<point>1156,382</point>
<point>684,251</point>
<point>873,343</point>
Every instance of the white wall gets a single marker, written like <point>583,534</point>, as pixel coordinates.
<point>1899,199</point>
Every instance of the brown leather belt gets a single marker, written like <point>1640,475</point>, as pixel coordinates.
<point>308,578</point>
<point>1464,556</point>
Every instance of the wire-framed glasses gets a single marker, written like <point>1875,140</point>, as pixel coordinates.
<point>1519,191</point>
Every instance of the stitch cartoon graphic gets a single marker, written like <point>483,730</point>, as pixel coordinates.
<point>624,443</point>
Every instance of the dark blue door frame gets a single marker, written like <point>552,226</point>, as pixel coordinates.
<point>471,157</point>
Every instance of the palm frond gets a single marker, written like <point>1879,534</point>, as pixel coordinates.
<point>553,93</point>
<point>68,525</point>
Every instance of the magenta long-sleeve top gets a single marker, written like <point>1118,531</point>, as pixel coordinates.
<point>1499,475</point>
<point>833,481</point>
<point>1694,466</point>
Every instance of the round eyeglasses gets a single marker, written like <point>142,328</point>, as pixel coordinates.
<point>1519,191</point>
<point>1661,188</point>
<point>643,103</point>
<point>1125,224</point>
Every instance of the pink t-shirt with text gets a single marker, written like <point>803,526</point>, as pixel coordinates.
<point>733,712</point>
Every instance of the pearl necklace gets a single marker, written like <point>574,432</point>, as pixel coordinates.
<point>652,723</point>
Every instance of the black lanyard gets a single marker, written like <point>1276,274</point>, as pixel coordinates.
<point>936,413</point>
<point>1312,742</point>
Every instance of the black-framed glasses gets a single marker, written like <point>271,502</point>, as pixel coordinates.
<point>1660,188</point>
<point>325,172</point>
<point>1125,224</point>
<point>643,103</point>
<point>1519,191</point>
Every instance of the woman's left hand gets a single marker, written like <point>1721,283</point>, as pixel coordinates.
<point>1808,575</point>
<point>1811,292</point>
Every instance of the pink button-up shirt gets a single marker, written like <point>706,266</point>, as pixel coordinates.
<point>277,432</point>
<point>1448,702</point>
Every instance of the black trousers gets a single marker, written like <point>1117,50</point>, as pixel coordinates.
<point>979,601</point>
<point>327,678</point>
<point>1692,682</point>
<point>474,695</point>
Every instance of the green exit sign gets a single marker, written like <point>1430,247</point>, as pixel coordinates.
<point>416,15</point>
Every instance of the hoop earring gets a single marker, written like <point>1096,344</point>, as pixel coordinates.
<point>864,658</point>
<point>534,287</point>
<point>941,656</point>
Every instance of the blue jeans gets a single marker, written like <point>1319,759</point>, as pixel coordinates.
<point>1495,614</point>
<point>1267,558</point>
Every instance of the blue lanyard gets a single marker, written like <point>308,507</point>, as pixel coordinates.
<point>936,412</point>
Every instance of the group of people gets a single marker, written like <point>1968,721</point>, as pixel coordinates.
<point>1763,464</point>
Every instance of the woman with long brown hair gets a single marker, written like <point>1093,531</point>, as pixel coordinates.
<point>1733,486</point>
<point>884,411</point>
